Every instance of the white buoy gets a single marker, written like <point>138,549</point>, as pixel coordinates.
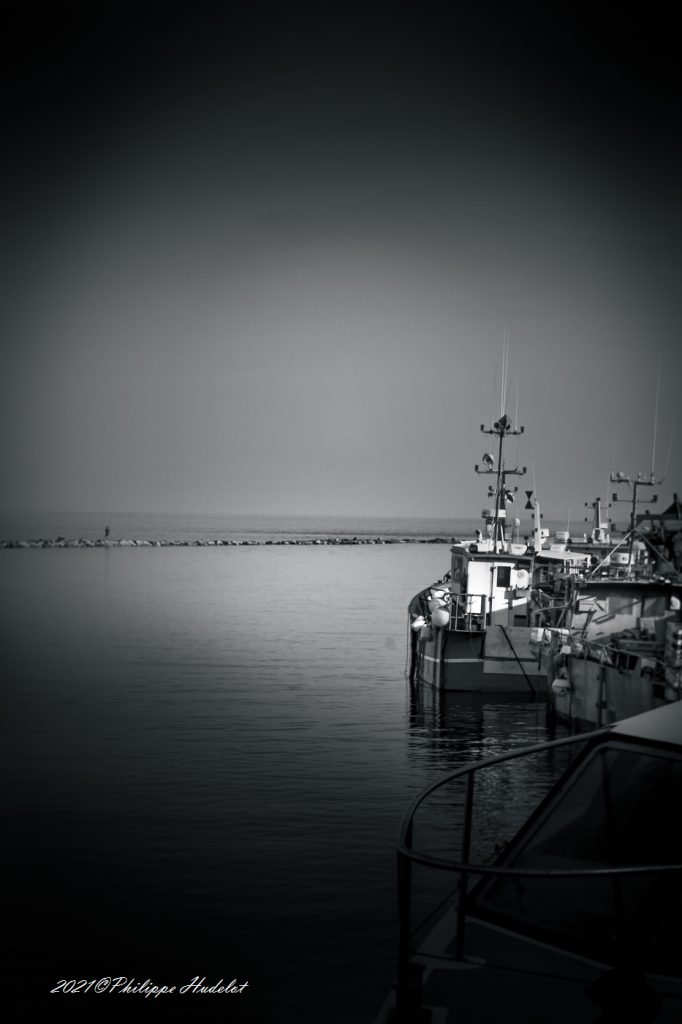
<point>522,579</point>
<point>440,617</point>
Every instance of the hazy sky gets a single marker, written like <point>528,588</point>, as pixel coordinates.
<point>260,257</point>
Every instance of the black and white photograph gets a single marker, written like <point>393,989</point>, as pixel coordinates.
<point>341,512</point>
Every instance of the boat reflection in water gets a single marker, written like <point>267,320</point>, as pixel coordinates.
<point>574,915</point>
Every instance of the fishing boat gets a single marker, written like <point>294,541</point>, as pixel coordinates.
<point>613,648</point>
<point>470,629</point>
<point>575,914</point>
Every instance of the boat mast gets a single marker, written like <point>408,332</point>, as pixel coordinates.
<point>600,527</point>
<point>501,428</point>
<point>641,481</point>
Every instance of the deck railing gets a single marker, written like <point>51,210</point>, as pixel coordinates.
<point>468,612</point>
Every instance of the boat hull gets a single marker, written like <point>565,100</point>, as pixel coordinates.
<point>497,660</point>
<point>596,694</point>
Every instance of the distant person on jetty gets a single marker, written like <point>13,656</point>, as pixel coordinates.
<point>107,531</point>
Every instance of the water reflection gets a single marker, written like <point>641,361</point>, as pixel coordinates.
<point>470,725</point>
<point>448,731</point>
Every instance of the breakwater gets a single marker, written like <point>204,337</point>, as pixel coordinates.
<point>63,542</point>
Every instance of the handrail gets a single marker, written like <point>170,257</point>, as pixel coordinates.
<point>404,847</point>
<point>597,649</point>
<point>477,765</point>
<point>462,611</point>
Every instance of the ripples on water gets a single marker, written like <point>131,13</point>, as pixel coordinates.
<point>209,753</point>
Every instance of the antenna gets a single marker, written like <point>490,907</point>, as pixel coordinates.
<point>503,378</point>
<point>670,444</point>
<point>504,393</point>
<point>613,456</point>
<point>516,416</point>
<point>658,388</point>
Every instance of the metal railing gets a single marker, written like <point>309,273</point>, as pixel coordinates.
<point>468,612</point>
<point>408,990</point>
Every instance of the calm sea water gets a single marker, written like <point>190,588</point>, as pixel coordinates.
<point>206,756</point>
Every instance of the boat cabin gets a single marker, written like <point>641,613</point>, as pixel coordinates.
<point>487,587</point>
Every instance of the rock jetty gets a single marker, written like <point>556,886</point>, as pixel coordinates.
<point>64,542</point>
<point>61,542</point>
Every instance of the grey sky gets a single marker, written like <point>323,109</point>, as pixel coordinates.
<point>265,264</point>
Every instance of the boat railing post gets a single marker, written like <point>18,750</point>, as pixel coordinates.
<point>601,702</point>
<point>408,995</point>
<point>438,664</point>
<point>463,875</point>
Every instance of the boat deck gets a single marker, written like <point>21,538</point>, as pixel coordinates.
<point>503,978</point>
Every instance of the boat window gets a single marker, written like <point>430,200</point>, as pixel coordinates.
<point>504,576</point>
<point>458,566</point>
<point>621,808</point>
<point>654,606</point>
<point>625,662</point>
<point>588,604</point>
<point>458,574</point>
